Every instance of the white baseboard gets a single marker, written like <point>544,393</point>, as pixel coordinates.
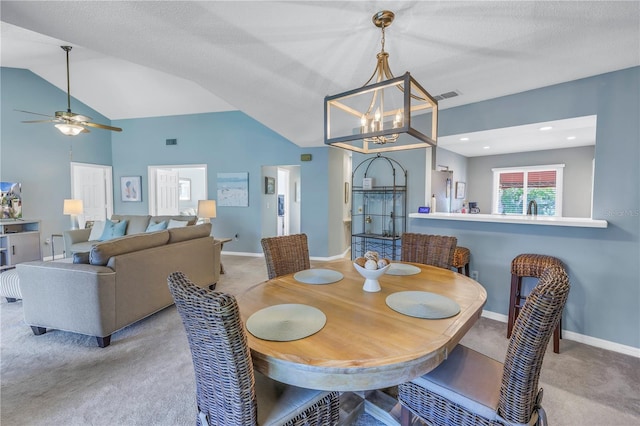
<point>321,259</point>
<point>495,316</point>
<point>580,338</point>
<point>242,253</point>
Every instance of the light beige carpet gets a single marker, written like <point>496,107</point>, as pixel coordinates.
<point>146,377</point>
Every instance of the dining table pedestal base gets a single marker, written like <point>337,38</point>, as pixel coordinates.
<point>381,404</point>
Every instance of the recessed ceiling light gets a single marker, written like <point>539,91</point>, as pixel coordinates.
<point>464,139</point>
<point>486,147</point>
<point>570,138</point>
<point>546,128</point>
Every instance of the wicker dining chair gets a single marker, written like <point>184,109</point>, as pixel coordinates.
<point>286,254</point>
<point>469,388</point>
<point>436,250</point>
<point>228,391</point>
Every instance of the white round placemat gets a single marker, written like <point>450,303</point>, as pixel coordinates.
<point>318,276</point>
<point>422,304</point>
<point>286,322</point>
<point>403,269</point>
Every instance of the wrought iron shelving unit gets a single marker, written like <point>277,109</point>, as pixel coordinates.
<point>378,214</point>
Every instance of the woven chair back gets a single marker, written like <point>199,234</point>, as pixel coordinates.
<point>435,250</point>
<point>531,333</point>
<point>533,265</point>
<point>224,371</point>
<point>286,254</point>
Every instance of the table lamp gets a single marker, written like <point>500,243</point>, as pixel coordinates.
<point>73,208</point>
<point>206,210</point>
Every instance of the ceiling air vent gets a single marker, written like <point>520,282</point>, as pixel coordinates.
<point>447,95</point>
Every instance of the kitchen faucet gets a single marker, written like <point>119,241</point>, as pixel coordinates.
<point>533,204</point>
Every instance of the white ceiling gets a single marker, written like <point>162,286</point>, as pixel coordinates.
<point>276,61</point>
<point>558,134</point>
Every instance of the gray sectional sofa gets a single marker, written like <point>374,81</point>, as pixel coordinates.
<point>117,283</point>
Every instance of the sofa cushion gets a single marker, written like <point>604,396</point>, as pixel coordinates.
<point>176,224</point>
<point>153,226</point>
<point>191,220</point>
<point>113,230</point>
<point>102,252</point>
<point>137,224</point>
<point>96,230</point>
<point>177,235</point>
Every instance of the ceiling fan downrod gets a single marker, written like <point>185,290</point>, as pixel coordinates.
<point>67,49</point>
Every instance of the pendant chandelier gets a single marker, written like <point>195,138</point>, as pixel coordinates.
<point>386,114</point>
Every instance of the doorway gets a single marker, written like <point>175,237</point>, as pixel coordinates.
<point>93,184</point>
<point>283,202</point>
<point>176,189</point>
<point>281,207</point>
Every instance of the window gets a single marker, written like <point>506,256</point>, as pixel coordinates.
<point>515,187</point>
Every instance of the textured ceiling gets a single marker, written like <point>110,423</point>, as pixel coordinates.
<point>276,61</point>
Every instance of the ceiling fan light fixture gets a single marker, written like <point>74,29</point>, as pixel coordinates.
<point>382,115</point>
<point>70,129</point>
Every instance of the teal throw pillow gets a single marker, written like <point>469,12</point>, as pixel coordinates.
<point>160,226</point>
<point>81,258</point>
<point>113,230</point>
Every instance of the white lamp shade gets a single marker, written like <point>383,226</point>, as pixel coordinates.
<point>207,208</point>
<point>73,207</point>
<point>70,129</point>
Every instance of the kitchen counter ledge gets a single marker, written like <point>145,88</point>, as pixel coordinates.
<point>582,222</point>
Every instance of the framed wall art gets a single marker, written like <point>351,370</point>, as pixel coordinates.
<point>269,185</point>
<point>233,189</point>
<point>130,188</point>
<point>461,190</point>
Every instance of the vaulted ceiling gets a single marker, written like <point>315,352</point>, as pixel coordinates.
<point>277,60</point>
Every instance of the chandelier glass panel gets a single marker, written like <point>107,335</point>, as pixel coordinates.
<point>386,114</point>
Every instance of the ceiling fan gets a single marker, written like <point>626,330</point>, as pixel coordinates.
<point>68,122</point>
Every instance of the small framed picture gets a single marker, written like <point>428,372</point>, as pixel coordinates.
<point>269,185</point>
<point>461,189</point>
<point>130,188</point>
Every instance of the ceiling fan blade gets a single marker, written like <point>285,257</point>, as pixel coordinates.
<point>40,121</point>
<point>101,126</point>
<point>35,113</point>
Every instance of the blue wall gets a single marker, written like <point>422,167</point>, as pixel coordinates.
<point>603,264</point>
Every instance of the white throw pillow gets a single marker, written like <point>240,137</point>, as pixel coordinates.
<point>176,223</point>
<point>96,230</point>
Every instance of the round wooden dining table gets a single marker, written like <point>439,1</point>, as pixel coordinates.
<point>364,344</point>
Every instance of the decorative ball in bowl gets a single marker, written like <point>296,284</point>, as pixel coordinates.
<point>371,276</point>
